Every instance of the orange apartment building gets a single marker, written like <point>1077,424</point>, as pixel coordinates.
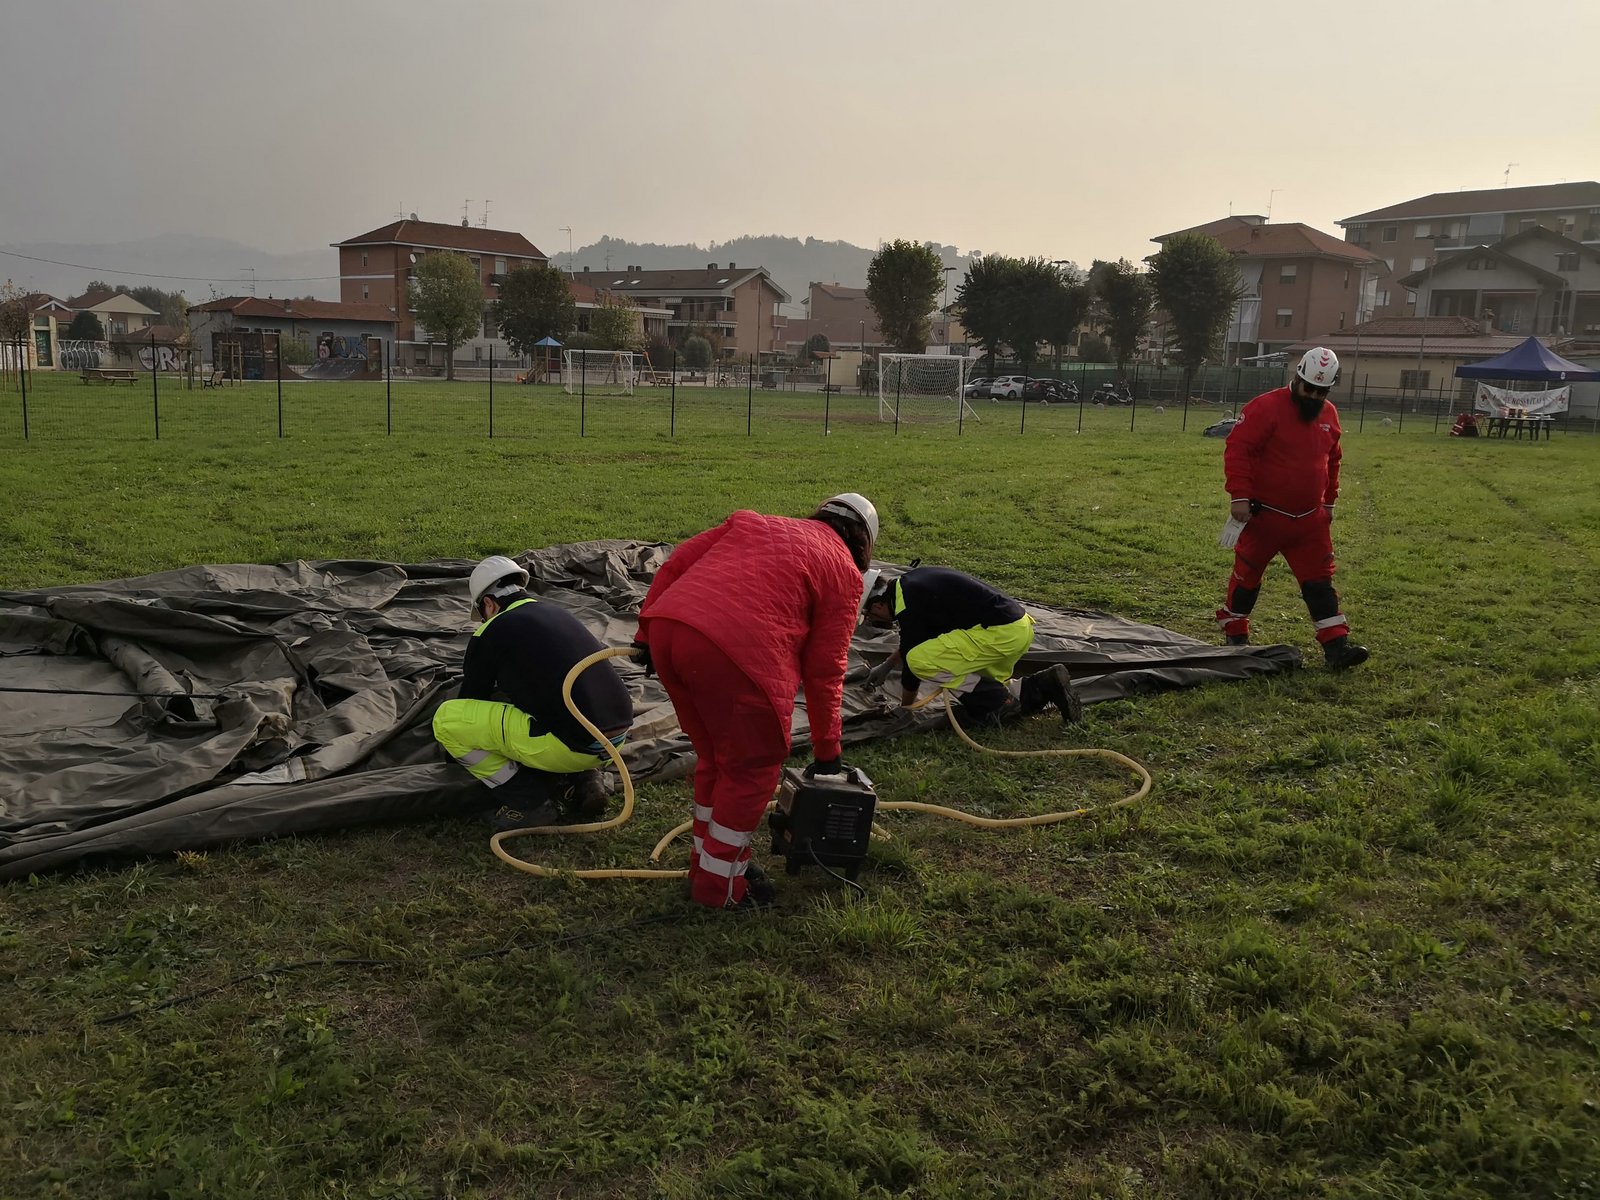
<point>376,268</point>
<point>738,307</point>
<point>1298,283</point>
<point>1416,235</point>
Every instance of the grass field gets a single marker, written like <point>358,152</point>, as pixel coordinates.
<point>1346,948</point>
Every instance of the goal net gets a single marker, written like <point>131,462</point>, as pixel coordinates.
<point>922,387</point>
<point>600,372</point>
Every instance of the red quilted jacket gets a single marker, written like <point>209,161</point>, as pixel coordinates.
<point>1275,457</point>
<point>779,595</point>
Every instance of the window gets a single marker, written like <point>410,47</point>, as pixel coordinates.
<point>1474,264</point>
<point>1490,264</point>
<point>1566,262</point>
<point>499,266</point>
<point>1285,317</point>
<point>1411,296</point>
<point>1388,265</point>
<point>1414,380</point>
<point>1424,229</point>
<point>366,292</point>
<point>490,328</point>
<point>1391,232</point>
<point>363,259</point>
<point>1347,277</point>
<point>1419,264</point>
<point>1287,273</point>
<point>1525,224</point>
<point>1383,298</point>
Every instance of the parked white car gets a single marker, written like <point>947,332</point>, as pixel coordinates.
<point>1008,387</point>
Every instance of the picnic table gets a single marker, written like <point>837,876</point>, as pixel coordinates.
<point>1515,425</point>
<point>109,375</point>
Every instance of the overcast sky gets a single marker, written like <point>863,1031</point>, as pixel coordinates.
<point>1021,126</point>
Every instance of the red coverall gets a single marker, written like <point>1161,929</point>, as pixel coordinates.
<point>1289,469</point>
<point>737,619</point>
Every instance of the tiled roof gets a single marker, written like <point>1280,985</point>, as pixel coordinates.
<point>1215,228</point>
<point>1488,200</point>
<point>659,283</point>
<point>99,296</point>
<point>162,335</point>
<point>839,292</point>
<point>1434,327</point>
<point>1483,346</point>
<point>1290,240</point>
<point>1458,259</point>
<point>439,235</point>
<point>298,310</point>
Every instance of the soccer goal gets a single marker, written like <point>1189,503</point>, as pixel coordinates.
<point>922,387</point>
<point>598,372</point>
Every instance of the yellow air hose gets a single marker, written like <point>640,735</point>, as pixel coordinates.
<point>505,856</point>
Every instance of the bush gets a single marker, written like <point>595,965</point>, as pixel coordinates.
<point>1095,349</point>
<point>695,353</point>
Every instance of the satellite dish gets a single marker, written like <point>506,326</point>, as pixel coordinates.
<point>413,216</point>
<point>413,260</point>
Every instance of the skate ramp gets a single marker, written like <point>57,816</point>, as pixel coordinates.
<point>298,697</point>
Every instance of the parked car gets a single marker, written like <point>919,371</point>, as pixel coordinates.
<point>977,389</point>
<point>1008,387</point>
<point>1051,391</point>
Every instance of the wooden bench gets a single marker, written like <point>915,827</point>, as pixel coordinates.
<point>212,380</point>
<point>109,375</point>
<point>833,387</point>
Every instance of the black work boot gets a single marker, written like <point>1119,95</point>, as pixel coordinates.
<point>1341,654</point>
<point>1237,639</point>
<point>1052,686</point>
<point>582,798</point>
<point>527,799</point>
<point>758,889</point>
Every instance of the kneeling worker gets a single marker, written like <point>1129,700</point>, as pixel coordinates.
<point>540,762</point>
<point>959,634</point>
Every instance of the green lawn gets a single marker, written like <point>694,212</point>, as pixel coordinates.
<point>1345,949</point>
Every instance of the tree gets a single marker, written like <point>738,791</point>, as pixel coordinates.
<point>1128,300</point>
<point>86,327</point>
<point>535,303</point>
<point>982,302</point>
<point>448,301</point>
<point>1094,349</point>
<point>1197,281</point>
<point>817,344</point>
<point>1033,295</point>
<point>14,323</point>
<point>696,352</point>
<point>1068,304</point>
<point>615,324</point>
<point>903,282</point>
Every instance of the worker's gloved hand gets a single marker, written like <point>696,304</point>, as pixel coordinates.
<point>880,672</point>
<point>826,766</point>
<point>641,655</point>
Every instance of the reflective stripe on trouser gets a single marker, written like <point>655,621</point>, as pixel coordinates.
<point>955,661</point>
<point>741,743</point>
<point>1306,544</point>
<point>491,739</point>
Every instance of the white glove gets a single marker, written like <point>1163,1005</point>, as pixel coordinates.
<point>879,673</point>
<point>1229,536</point>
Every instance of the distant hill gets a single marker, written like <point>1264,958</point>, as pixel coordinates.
<point>794,262</point>
<point>212,265</point>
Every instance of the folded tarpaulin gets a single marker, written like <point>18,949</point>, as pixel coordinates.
<point>282,699</point>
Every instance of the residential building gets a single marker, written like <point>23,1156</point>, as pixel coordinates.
<point>738,308</point>
<point>1298,282</point>
<point>1413,353</point>
<point>48,319</point>
<point>1537,281</point>
<point>118,311</point>
<point>328,329</point>
<point>1413,235</point>
<point>376,268</point>
<point>651,322</point>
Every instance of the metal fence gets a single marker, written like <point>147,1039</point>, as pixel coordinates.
<point>135,401</point>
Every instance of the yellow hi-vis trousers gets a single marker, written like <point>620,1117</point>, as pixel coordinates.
<point>957,660</point>
<point>491,739</point>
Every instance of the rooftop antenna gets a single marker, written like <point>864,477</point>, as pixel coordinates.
<point>400,211</point>
<point>485,221</point>
<point>466,221</point>
<point>1506,180</point>
<point>252,271</point>
<point>1270,196</point>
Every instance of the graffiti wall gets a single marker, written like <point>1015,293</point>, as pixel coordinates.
<point>335,345</point>
<point>83,355</point>
<point>163,358</point>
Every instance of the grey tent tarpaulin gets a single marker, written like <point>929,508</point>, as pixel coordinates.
<point>297,697</point>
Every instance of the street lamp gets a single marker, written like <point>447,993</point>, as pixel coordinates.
<point>567,229</point>
<point>946,306</point>
<point>1060,262</point>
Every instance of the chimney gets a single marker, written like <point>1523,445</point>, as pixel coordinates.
<point>585,270</point>
<point>732,266</point>
<point>286,304</point>
<point>711,266</point>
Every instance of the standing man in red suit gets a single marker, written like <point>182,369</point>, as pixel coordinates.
<point>1282,467</point>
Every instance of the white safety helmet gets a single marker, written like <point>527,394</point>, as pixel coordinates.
<point>495,570</point>
<point>854,504</point>
<point>1319,367</point>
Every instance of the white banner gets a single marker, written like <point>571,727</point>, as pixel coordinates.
<point>1500,402</point>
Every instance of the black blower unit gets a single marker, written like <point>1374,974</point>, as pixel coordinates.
<point>824,820</point>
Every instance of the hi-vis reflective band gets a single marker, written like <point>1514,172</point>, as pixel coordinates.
<point>503,775</point>
<point>730,837</point>
<point>702,812</point>
<point>472,758</point>
<point>1282,513</point>
<point>719,866</point>
<point>1224,615</point>
<point>1330,622</point>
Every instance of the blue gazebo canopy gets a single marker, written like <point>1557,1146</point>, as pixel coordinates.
<point>1530,360</point>
<point>547,341</point>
